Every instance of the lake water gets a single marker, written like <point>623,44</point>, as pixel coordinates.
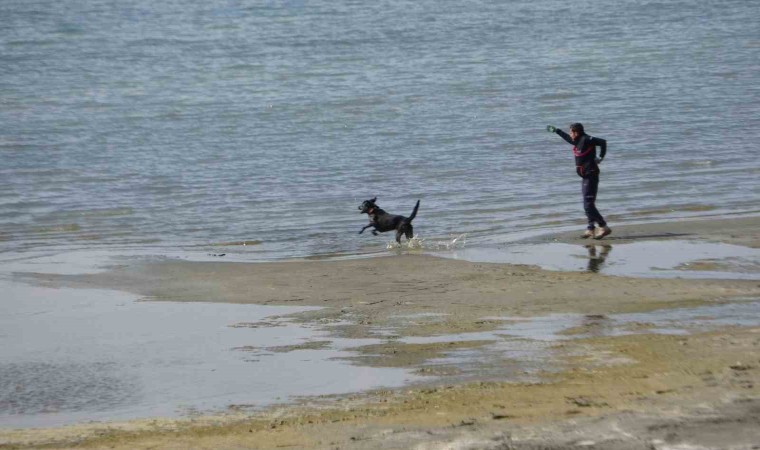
<point>199,126</point>
<point>71,356</point>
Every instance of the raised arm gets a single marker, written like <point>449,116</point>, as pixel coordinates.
<point>564,136</point>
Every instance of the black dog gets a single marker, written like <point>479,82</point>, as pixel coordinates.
<point>382,221</point>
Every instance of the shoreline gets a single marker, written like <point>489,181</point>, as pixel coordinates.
<point>601,381</point>
<point>741,230</point>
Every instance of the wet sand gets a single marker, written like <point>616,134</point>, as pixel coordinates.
<point>631,391</point>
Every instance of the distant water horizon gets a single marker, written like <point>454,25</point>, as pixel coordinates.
<point>257,128</point>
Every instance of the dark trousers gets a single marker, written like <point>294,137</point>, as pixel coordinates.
<point>589,187</point>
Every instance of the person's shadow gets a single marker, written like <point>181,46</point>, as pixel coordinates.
<point>596,259</point>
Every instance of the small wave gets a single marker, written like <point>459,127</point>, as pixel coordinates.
<point>689,208</point>
<point>244,67</point>
<point>70,29</point>
<point>90,237</point>
<point>234,243</point>
<point>65,228</point>
<point>706,162</point>
<point>158,42</point>
<point>104,212</point>
<point>31,42</point>
<point>560,95</point>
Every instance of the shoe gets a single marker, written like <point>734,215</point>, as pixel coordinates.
<point>602,232</point>
<point>588,234</point>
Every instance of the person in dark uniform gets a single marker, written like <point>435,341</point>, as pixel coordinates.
<point>587,167</point>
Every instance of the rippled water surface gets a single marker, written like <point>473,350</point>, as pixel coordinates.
<point>206,125</point>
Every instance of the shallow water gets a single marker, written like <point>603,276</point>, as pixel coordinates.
<point>527,343</point>
<point>664,259</point>
<point>68,356</point>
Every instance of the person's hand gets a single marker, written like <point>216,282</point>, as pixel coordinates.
<point>599,160</point>
<point>551,129</point>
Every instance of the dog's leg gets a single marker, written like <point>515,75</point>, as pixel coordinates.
<point>399,233</point>
<point>409,232</point>
<point>364,228</point>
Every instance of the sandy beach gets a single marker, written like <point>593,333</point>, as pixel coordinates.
<point>624,390</point>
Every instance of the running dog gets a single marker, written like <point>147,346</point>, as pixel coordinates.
<point>382,221</point>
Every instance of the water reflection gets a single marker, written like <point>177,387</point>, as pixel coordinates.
<point>635,259</point>
<point>597,257</point>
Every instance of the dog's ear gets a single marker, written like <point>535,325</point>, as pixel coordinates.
<point>374,200</point>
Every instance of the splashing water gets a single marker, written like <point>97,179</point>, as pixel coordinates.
<point>418,242</point>
<point>415,242</point>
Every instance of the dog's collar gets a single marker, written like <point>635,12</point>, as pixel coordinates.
<point>370,211</point>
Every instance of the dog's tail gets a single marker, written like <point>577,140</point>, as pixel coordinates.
<point>414,212</point>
